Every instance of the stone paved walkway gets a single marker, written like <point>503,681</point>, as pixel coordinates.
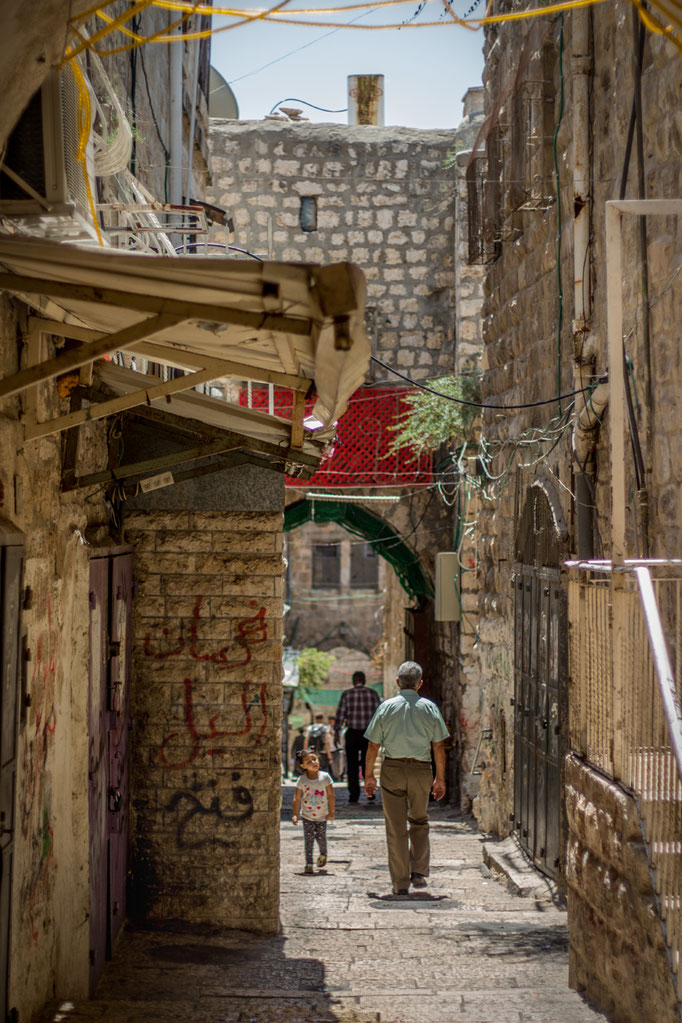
<point>467,951</point>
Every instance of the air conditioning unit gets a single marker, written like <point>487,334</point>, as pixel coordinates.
<point>42,151</point>
<point>448,607</point>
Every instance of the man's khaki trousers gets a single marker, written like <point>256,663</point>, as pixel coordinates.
<point>405,790</point>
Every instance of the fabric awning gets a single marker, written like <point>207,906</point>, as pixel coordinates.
<point>294,325</point>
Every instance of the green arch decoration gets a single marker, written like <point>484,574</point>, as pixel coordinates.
<point>361,522</point>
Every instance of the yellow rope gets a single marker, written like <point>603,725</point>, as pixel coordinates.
<point>84,117</point>
<point>655,26</point>
<point>122,18</point>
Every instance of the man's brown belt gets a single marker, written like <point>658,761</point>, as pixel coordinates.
<point>408,760</point>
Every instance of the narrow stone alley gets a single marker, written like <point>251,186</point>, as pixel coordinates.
<point>465,950</point>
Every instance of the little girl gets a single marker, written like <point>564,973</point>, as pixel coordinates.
<point>315,790</point>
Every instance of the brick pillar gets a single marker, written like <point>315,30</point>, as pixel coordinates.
<point>207,707</point>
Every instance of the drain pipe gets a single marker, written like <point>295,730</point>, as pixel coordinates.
<point>175,147</point>
<point>586,417</point>
<point>194,96</point>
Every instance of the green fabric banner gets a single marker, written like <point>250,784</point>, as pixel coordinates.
<point>330,697</point>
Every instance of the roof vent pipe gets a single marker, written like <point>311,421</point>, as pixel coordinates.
<point>366,99</point>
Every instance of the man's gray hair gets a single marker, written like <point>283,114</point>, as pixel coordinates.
<point>409,674</point>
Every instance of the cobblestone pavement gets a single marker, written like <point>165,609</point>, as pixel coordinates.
<point>464,951</point>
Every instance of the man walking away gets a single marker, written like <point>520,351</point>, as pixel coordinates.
<point>355,710</point>
<point>407,727</point>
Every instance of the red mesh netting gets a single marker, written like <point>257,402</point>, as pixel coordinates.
<point>360,456</point>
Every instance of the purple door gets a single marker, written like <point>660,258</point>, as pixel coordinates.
<point>11,566</point>
<point>120,611</point>
<point>97,765</point>
<point>110,662</point>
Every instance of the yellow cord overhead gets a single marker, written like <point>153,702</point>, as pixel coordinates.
<point>659,25</point>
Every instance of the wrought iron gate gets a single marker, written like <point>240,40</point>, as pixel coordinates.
<point>540,673</point>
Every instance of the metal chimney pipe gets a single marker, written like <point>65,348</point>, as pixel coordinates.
<point>366,99</point>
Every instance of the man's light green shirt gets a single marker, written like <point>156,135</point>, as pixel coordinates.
<point>406,725</point>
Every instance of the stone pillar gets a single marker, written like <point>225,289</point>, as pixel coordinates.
<point>207,717</point>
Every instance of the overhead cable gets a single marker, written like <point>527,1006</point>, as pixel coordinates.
<point>478,404</point>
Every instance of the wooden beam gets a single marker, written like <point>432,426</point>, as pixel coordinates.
<point>24,284</point>
<point>119,404</point>
<point>124,472</point>
<point>159,416</point>
<point>84,353</point>
<point>178,357</point>
<point>297,420</point>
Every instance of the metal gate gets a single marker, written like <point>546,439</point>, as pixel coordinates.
<point>540,673</point>
<point>11,567</point>
<point>108,771</point>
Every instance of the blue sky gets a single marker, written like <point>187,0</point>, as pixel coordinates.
<point>427,70</point>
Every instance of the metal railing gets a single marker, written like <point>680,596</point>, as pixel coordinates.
<point>624,704</point>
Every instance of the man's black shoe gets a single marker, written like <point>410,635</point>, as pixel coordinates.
<point>352,800</point>
<point>418,881</point>
<point>400,891</point>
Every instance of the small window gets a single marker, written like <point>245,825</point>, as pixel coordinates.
<point>364,567</point>
<point>308,213</point>
<point>326,566</point>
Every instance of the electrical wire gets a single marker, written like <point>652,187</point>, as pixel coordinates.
<point>560,317</point>
<point>477,404</point>
<point>292,99</point>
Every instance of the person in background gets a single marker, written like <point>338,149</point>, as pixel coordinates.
<point>336,751</point>
<point>317,738</point>
<point>297,745</point>
<point>407,728</point>
<point>355,710</point>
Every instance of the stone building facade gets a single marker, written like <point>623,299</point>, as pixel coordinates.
<point>383,198</point>
<point>552,153</point>
<point>335,587</point>
<point>394,200</point>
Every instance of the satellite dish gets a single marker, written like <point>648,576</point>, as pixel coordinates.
<point>221,99</point>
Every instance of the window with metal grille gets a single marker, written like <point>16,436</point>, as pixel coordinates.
<point>326,566</point>
<point>364,567</point>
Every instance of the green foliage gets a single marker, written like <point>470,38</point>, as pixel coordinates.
<point>430,421</point>
<point>313,667</point>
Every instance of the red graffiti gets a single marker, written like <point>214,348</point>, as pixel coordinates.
<point>43,682</point>
<point>200,739</point>
<point>250,632</point>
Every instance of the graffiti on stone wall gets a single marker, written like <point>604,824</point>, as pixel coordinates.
<point>210,740</point>
<point>205,817</point>
<point>41,730</point>
<point>34,797</point>
<point>181,748</point>
<point>250,632</point>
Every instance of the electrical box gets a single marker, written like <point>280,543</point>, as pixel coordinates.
<point>448,607</point>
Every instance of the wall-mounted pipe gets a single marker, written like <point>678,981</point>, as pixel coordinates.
<point>175,147</point>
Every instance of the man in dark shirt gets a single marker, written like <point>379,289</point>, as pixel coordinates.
<point>356,709</point>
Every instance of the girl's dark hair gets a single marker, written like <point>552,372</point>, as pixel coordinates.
<point>303,753</point>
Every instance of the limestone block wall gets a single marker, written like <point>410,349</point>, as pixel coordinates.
<point>207,707</point>
<point>385,200</point>
<point>617,955</point>
<point>529,351</point>
<point>49,894</point>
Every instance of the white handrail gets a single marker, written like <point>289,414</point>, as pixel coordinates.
<point>664,671</point>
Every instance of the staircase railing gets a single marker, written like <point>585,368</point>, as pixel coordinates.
<point>625,716</point>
